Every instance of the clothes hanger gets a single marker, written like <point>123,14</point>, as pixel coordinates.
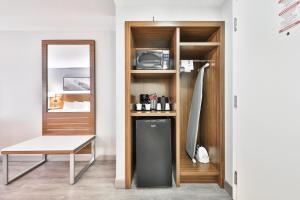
<point>203,61</point>
<point>207,64</point>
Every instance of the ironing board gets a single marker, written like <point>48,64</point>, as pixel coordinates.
<point>46,145</point>
<point>194,116</point>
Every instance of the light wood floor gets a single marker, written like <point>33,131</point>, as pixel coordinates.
<point>51,181</point>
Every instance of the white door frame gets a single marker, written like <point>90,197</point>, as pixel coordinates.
<point>236,95</point>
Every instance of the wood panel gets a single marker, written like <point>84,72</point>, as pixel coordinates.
<point>196,50</point>
<point>178,103</point>
<point>160,86</point>
<point>150,49</point>
<point>173,24</point>
<point>68,124</point>
<point>175,93</point>
<point>153,73</point>
<point>215,37</point>
<point>151,37</point>
<point>129,45</point>
<point>173,80</point>
<point>199,179</point>
<point>197,34</point>
<point>153,114</point>
<point>188,168</point>
<point>197,172</point>
<point>208,117</point>
<point>212,116</point>
<point>221,105</point>
<point>78,123</point>
<point>77,97</point>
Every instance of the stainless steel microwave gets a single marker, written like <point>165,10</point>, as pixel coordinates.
<point>152,59</point>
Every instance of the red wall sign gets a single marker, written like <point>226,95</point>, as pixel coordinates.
<point>289,13</point>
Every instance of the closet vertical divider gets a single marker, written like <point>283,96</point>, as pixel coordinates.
<point>128,129</point>
<point>177,65</point>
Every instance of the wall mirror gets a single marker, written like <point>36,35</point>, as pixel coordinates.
<point>68,78</point>
<point>68,83</point>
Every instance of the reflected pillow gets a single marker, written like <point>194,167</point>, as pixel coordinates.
<point>68,105</point>
<point>77,105</point>
<point>86,105</point>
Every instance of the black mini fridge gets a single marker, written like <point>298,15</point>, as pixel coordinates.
<point>153,153</point>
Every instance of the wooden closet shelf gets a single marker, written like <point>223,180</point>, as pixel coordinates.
<point>195,50</point>
<point>193,34</point>
<point>200,44</point>
<point>153,113</point>
<point>152,73</point>
<point>188,168</point>
<point>149,49</point>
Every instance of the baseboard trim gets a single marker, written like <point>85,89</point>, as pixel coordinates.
<point>228,188</point>
<point>79,157</point>
<point>119,184</point>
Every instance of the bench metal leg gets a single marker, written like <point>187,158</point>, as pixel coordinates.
<point>6,169</point>
<point>74,178</point>
<point>93,150</point>
<point>45,157</point>
<point>72,168</point>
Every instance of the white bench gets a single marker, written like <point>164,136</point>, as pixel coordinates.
<point>46,145</point>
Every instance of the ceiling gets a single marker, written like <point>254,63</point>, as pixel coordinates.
<point>86,7</point>
<point>204,3</point>
<point>57,8</point>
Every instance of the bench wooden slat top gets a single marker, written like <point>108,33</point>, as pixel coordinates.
<point>50,145</point>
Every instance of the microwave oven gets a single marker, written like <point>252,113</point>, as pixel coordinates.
<point>152,59</point>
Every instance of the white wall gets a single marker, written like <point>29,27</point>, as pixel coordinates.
<point>268,158</point>
<point>21,85</point>
<point>145,13</point>
<point>21,33</point>
<point>57,15</point>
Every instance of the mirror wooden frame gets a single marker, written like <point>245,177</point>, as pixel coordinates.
<point>68,123</point>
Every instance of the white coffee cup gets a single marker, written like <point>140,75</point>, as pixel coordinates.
<point>167,107</point>
<point>158,106</point>
<point>147,106</point>
<point>138,106</point>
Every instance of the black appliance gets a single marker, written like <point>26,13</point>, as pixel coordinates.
<point>144,99</point>
<point>163,102</point>
<point>152,59</point>
<point>153,153</point>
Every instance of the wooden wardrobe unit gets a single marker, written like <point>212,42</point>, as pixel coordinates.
<point>186,41</point>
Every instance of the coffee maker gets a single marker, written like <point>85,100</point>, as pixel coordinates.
<point>152,102</point>
<point>144,100</point>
